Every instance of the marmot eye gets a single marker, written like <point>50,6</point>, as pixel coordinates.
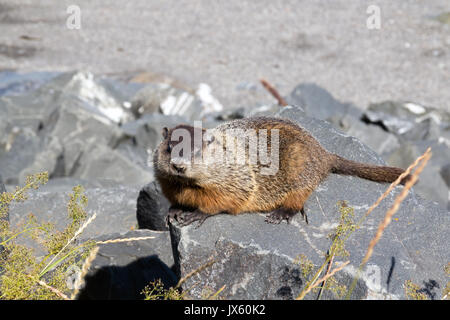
<point>169,148</point>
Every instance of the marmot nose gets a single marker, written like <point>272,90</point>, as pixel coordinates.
<point>180,168</point>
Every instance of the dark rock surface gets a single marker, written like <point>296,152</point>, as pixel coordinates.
<point>152,208</point>
<point>115,207</point>
<point>319,103</point>
<point>256,260</point>
<point>2,185</point>
<point>121,270</point>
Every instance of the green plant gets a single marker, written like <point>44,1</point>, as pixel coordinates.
<point>26,277</point>
<point>156,291</point>
<point>412,291</point>
<point>341,233</point>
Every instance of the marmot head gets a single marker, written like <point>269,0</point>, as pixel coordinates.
<point>181,153</point>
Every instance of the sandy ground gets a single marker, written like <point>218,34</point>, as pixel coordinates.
<point>231,44</point>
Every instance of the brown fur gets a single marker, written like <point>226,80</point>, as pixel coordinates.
<point>236,188</point>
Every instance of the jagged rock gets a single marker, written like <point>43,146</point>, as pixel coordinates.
<point>168,100</point>
<point>146,131</point>
<point>115,208</point>
<point>152,208</point>
<point>77,128</point>
<point>62,118</point>
<point>256,260</point>
<point>50,158</point>
<point>102,162</point>
<point>21,148</point>
<point>319,103</point>
<point>431,184</point>
<point>86,88</point>
<point>400,117</point>
<point>121,270</point>
<point>373,136</point>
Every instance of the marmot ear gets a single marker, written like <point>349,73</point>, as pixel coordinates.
<point>209,138</point>
<point>165,132</point>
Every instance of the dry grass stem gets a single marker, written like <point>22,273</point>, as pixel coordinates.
<point>397,182</point>
<point>84,270</point>
<point>214,295</point>
<point>77,233</point>
<point>274,92</point>
<point>52,289</point>
<point>124,240</point>
<point>388,217</point>
<point>190,274</point>
<point>323,279</point>
<point>330,263</point>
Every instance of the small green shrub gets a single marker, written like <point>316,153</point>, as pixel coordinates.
<point>23,275</point>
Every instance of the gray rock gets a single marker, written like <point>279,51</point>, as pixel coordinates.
<point>50,158</point>
<point>399,117</point>
<point>115,208</point>
<point>168,100</point>
<point>319,103</point>
<point>445,173</point>
<point>373,136</point>
<point>52,128</point>
<point>2,185</point>
<point>262,110</point>
<point>427,129</point>
<point>152,208</point>
<point>256,260</point>
<point>26,111</point>
<point>146,131</point>
<point>20,151</point>
<point>77,129</point>
<point>121,270</point>
<point>149,98</point>
<point>102,162</point>
<point>431,184</point>
<point>85,87</point>
<point>13,83</point>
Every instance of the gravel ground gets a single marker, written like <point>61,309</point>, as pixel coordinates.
<point>231,44</point>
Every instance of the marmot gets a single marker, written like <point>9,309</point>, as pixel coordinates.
<point>199,189</point>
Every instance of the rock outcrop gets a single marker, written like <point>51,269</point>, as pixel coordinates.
<point>100,133</point>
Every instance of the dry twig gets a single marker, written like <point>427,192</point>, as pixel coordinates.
<point>52,289</point>
<point>324,278</point>
<point>274,92</point>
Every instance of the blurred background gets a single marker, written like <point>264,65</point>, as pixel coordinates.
<point>231,44</point>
